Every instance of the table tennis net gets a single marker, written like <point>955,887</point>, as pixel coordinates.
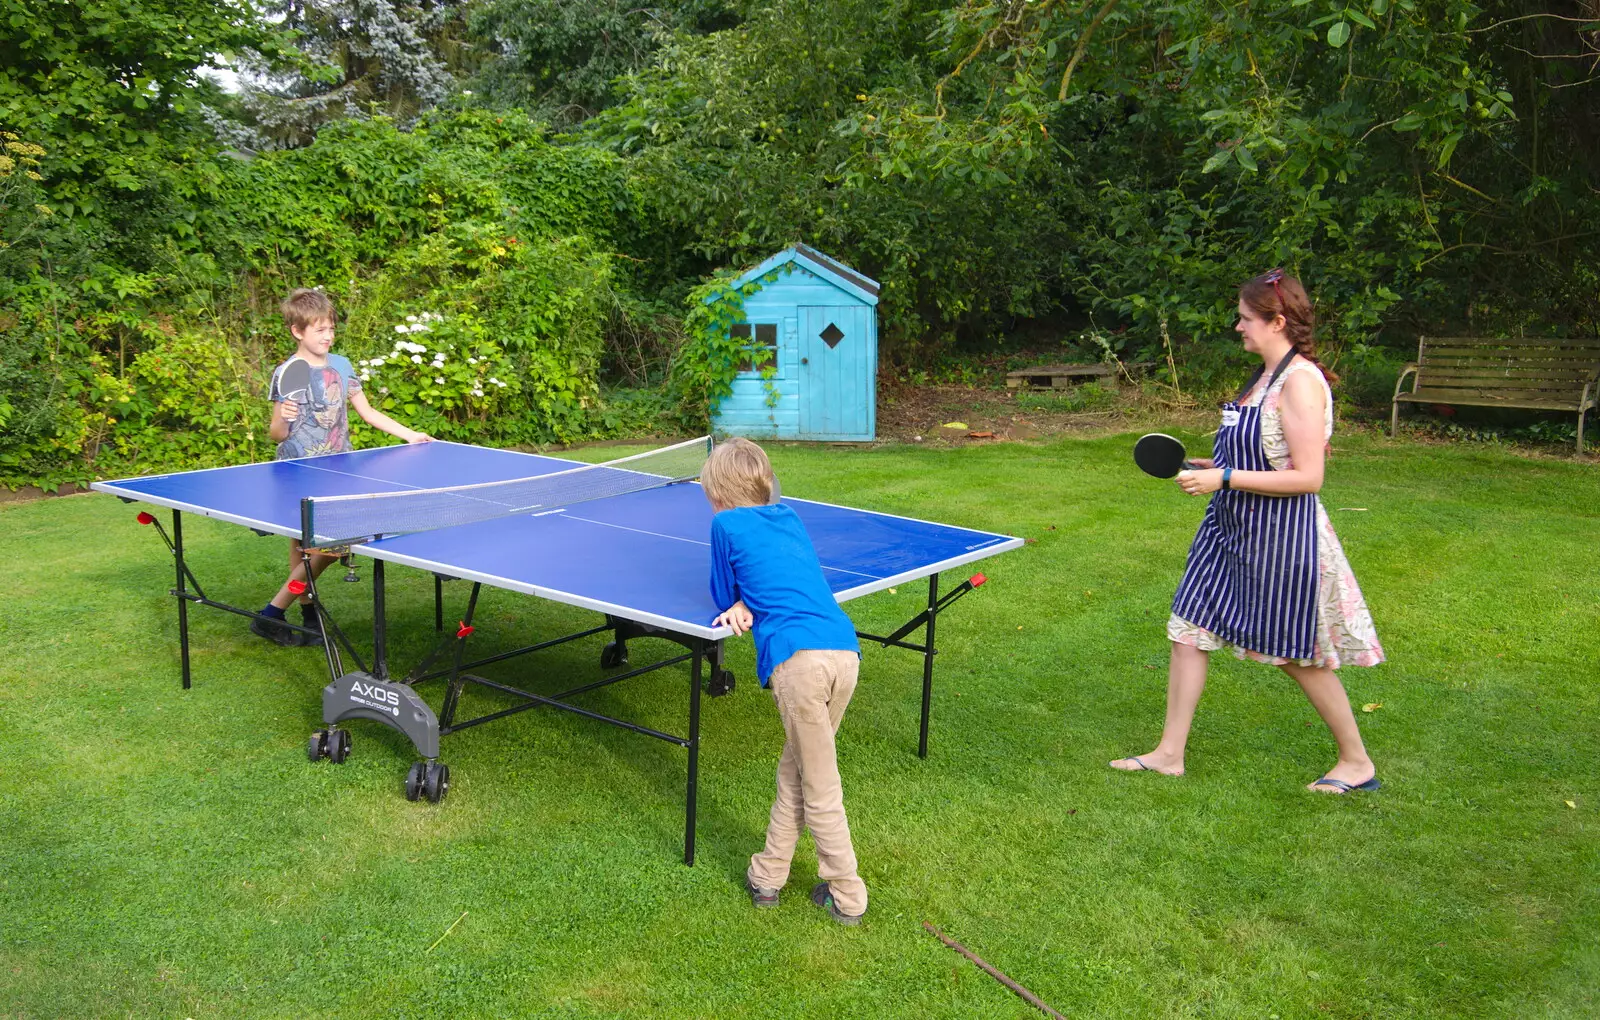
<point>330,520</point>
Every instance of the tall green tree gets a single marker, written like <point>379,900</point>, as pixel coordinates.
<point>560,57</point>
<point>357,57</point>
<point>1201,143</point>
<point>113,90</point>
<point>751,138</point>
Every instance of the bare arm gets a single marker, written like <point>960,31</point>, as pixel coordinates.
<point>1303,407</point>
<point>382,422</point>
<point>284,412</point>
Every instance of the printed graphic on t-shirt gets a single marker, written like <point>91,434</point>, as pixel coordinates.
<point>323,425</point>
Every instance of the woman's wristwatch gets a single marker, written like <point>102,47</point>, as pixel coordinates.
<point>1227,478</point>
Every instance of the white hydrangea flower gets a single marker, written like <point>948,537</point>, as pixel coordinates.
<point>383,389</point>
<point>421,327</point>
<point>472,361</point>
<point>402,329</point>
<point>494,380</point>
<point>477,392</point>
<point>365,377</point>
<point>438,380</point>
<point>416,359</point>
<point>411,318</point>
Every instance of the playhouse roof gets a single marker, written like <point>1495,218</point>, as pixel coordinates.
<point>830,269</point>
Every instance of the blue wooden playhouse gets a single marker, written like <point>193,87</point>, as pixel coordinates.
<point>820,319</point>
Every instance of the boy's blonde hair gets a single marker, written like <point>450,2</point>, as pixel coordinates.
<point>737,474</point>
<point>306,307</point>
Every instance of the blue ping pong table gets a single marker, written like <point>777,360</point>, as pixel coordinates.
<point>642,559</point>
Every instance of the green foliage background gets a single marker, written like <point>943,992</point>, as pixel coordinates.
<point>1006,170</point>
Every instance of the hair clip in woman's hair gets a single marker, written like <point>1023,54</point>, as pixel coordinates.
<point>1272,276</point>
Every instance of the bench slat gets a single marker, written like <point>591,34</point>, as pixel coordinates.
<point>1514,369</point>
<point>1425,381</point>
<point>1489,378</point>
<point>1507,354</point>
<point>1453,398</point>
<point>1469,341</point>
<point>1517,392</point>
<point>1535,369</point>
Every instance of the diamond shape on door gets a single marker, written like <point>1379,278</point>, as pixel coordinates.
<point>831,336</point>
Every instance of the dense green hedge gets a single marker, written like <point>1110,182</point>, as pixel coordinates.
<point>470,235</point>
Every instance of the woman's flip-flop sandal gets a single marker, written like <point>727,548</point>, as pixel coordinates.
<point>1145,768</point>
<point>1341,787</point>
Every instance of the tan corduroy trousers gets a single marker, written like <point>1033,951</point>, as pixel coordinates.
<point>812,689</point>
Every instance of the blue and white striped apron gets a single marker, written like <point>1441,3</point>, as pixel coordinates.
<point>1252,573</point>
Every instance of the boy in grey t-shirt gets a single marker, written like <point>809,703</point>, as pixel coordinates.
<point>309,428</point>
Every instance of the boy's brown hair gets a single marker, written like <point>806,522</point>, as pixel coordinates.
<point>306,307</point>
<point>737,474</point>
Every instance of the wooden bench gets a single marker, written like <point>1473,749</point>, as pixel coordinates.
<point>1535,374</point>
<point>1059,377</point>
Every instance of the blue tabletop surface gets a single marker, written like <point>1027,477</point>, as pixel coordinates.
<point>644,556</point>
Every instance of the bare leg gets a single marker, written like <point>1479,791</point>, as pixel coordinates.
<point>1328,697</point>
<point>297,572</point>
<point>1186,678</point>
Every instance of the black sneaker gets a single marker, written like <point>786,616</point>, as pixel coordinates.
<point>275,631</point>
<point>822,896</point>
<point>760,898</point>
<point>310,620</point>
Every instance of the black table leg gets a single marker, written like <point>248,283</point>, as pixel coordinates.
<point>927,663</point>
<point>183,595</point>
<point>380,641</point>
<point>694,753</point>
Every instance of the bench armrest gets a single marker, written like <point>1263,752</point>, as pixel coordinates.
<point>1409,369</point>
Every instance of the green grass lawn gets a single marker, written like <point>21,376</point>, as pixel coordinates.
<point>173,854</point>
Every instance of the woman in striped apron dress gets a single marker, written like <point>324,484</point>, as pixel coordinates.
<point>1266,574</point>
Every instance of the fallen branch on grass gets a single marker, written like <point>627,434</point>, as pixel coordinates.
<point>1029,997</point>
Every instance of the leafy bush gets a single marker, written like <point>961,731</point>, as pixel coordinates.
<point>188,401</point>
<point>705,366</point>
<point>444,375</point>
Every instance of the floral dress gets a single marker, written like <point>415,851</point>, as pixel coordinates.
<point>1345,635</point>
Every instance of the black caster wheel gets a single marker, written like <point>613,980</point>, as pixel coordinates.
<point>436,781</point>
<point>614,654</point>
<point>317,748</point>
<point>414,780</point>
<point>338,746</point>
<point>721,683</point>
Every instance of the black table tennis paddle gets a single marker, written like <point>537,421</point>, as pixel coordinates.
<point>294,382</point>
<point>1160,455</point>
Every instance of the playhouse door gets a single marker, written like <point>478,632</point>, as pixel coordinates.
<point>838,363</point>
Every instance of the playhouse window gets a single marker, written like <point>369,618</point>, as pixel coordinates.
<point>760,349</point>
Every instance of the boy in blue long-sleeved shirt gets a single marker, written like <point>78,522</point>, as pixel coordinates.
<point>765,578</point>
